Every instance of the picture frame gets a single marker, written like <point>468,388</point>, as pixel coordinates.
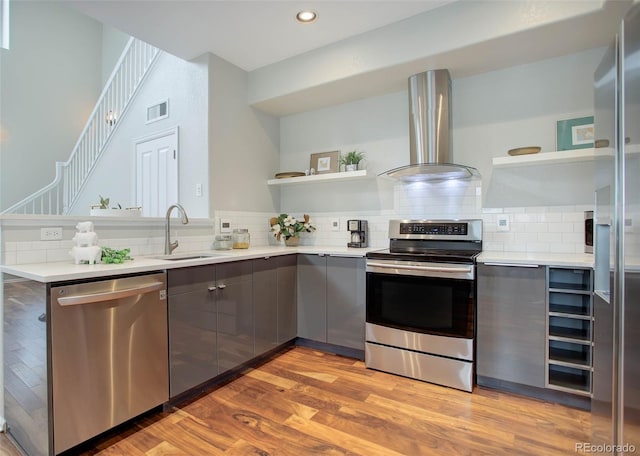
<point>325,162</point>
<point>575,133</point>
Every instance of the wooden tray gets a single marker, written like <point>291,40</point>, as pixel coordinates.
<point>525,150</point>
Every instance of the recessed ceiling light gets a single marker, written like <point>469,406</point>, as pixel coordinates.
<point>306,16</point>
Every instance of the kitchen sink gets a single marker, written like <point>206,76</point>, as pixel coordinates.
<point>187,256</point>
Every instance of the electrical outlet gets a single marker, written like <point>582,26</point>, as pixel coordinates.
<point>51,234</point>
<point>335,225</point>
<point>198,189</point>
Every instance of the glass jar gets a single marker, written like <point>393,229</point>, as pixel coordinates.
<point>241,238</point>
<point>223,242</point>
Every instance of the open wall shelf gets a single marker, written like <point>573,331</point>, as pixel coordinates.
<point>317,178</point>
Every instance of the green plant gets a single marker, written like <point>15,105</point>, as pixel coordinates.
<point>113,256</point>
<point>104,202</point>
<point>352,158</point>
<point>288,226</point>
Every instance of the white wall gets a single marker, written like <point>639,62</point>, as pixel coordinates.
<point>185,85</point>
<point>49,81</point>
<point>244,144</point>
<point>492,113</point>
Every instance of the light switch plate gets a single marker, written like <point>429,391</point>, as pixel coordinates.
<point>502,222</point>
<point>225,226</point>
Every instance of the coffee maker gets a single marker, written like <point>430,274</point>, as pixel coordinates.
<point>358,229</point>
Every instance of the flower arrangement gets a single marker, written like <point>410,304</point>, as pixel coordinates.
<point>288,226</point>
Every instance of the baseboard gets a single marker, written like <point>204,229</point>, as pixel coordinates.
<point>559,397</point>
<point>331,348</point>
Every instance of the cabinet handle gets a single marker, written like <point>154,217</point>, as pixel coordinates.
<point>212,288</point>
<point>222,287</point>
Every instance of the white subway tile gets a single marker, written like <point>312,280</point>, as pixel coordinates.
<point>10,258</point>
<point>573,217</point>
<point>550,237</point>
<point>560,227</point>
<point>537,247</point>
<point>31,256</point>
<point>537,227</point>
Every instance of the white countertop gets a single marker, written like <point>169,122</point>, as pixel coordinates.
<point>66,270</point>
<point>542,259</point>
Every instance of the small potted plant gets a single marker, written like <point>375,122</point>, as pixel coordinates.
<point>351,160</point>
<point>288,227</point>
<point>103,209</point>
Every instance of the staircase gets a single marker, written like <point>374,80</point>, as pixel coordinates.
<point>58,197</point>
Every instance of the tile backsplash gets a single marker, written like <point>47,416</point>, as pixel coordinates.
<point>558,229</point>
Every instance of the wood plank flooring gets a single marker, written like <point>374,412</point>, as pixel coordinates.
<point>305,402</point>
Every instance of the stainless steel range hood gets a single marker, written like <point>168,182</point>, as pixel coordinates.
<point>430,131</point>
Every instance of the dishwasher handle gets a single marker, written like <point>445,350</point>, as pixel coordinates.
<point>110,295</point>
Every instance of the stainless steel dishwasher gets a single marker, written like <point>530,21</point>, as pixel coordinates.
<point>109,359</point>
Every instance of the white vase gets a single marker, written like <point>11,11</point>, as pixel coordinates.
<point>351,167</point>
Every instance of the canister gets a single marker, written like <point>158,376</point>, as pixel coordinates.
<point>223,242</point>
<point>241,238</point>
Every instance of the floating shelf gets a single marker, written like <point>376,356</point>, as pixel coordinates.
<point>557,157</point>
<point>317,178</point>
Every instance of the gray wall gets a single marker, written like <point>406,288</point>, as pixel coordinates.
<point>492,113</point>
<point>49,80</point>
<point>244,144</point>
<point>113,43</point>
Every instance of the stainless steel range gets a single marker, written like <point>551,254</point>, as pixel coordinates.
<point>421,301</point>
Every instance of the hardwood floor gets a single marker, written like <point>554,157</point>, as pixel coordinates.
<point>306,402</point>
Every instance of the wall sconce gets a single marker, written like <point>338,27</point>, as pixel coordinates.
<point>111,118</point>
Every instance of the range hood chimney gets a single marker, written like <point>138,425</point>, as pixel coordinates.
<point>430,131</point>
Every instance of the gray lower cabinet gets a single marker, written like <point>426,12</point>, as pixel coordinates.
<point>331,299</point>
<point>312,297</point>
<point>346,282</point>
<point>234,297</point>
<point>210,322</point>
<point>274,298</point>
<point>193,323</point>
<point>511,326</point>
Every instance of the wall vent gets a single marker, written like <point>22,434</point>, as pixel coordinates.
<point>158,111</point>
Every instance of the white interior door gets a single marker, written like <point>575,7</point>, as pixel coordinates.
<point>157,173</point>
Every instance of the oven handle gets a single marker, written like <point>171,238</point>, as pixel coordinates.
<point>465,270</point>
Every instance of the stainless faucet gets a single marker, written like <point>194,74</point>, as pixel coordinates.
<point>168,245</point>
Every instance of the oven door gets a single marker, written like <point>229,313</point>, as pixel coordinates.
<point>421,297</point>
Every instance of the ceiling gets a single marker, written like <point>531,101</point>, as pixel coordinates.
<point>249,34</point>
<point>359,48</point>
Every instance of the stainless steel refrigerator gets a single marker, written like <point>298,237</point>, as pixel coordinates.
<point>616,352</point>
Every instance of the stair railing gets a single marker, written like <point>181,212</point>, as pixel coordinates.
<point>59,196</point>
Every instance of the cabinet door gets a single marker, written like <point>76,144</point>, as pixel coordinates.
<point>234,297</point>
<point>192,328</point>
<point>346,301</point>
<point>265,301</point>
<point>511,324</point>
<point>287,302</point>
<point>312,297</point>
